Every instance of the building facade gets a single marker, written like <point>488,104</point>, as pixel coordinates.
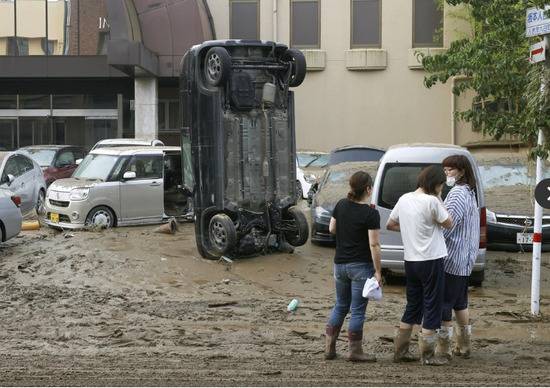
<point>76,71</point>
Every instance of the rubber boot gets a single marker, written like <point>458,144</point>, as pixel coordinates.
<point>443,348</point>
<point>331,336</point>
<point>401,344</point>
<point>462,346</point>
<point>427,351</point>
<point>356,349</point>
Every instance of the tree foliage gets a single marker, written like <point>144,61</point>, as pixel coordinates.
<point>493,62</point>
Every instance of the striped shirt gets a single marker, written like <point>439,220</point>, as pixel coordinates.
<point>463,238</point>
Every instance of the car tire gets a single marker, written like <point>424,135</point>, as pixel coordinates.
<point>40,202</point>
<point>299,67</point>
<point>477,278</point>
<point>217,66</point>
<point>299,191</point>
<point>299,236</point>
<point>101,216</point>
<point>222,234</point>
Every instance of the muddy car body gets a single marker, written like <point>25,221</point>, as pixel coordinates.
<point>238,131</point>
<point>10,215</point>
<point>397,175</point>
<point>123,142</point>
<point>117,187</point>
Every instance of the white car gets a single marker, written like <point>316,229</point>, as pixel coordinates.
<point>10,215</point>
<point>127,143</point>
<point>309,167</point>
<point>23,176</point>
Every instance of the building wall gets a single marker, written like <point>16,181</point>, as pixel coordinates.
<point>336,106</point>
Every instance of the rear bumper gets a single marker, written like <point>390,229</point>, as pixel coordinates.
<point>502,237</point>
<point>320,234</point>
<point>12,223</point>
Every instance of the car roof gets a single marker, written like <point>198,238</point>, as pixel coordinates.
<point>126,141</point>
<point>48,147</point>
<point>133,150</point>
<point>422,153</point>
<point>359,147</point>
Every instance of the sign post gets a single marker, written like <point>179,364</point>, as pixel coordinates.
<point>536,23</point>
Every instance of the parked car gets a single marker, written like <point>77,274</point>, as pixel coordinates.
<point>23,176</point>
<point>333,187</point>
<point>310,167</point>
<point>10,215</point>
<point>510,203</point>
<point>119,186</point>
<point>56,161</point>
<point>353,153</point>
<point>122,142</point>
<point>397,175</point>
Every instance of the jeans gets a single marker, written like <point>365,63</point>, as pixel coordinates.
<point>350,279</point>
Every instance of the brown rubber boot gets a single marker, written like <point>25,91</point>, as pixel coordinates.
<point>401,344</point>
<point>427,351</point>
<point>443,347</point>
<point>331,336</point>
<point>356,349</point>
<point>463,346</point>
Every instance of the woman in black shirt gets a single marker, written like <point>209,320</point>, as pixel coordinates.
<point>356,226</point>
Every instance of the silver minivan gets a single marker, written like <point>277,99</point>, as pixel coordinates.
<point>120,186</point>
<point>397,174</point>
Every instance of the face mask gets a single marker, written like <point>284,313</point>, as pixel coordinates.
<point>451,180</point>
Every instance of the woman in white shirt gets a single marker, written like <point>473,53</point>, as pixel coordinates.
<point>420,217</point>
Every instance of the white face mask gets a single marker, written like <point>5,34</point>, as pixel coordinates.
<point>451,180</point>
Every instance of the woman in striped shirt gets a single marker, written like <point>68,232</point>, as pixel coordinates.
<point>462,242</point>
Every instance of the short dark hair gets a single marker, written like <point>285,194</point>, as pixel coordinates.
<point>359,183</point>
<point>431,177</point>
<point>462,163</point>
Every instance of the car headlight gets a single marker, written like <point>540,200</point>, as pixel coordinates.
<point>79,194</point>
<point>491,217</point>
<point>310,178</point>
<point>320,212</point>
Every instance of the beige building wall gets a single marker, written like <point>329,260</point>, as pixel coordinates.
<point>384,105</point>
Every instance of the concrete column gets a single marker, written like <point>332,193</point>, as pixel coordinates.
<point>146,107</point>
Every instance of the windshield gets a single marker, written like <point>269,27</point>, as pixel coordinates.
<point>320,161</point>
<point>44,158</point>
<point>508,175</point>
<point>355,155</point>
<point>95,167</point>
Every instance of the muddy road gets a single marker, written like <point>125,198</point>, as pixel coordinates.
<point>132,307</point>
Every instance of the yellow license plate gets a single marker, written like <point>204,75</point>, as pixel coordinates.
<point>54,217</point>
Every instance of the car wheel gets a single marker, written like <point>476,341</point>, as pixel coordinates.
<point>217,66</point>
<point>40,202</point>
<point>299,191</point>
<point>222,234</point>
<point>300,234</point>
<point>476,278</point>
<point>101,217</point>
<point>299,67</point>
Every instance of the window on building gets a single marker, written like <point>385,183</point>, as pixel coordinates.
<point>365,27</point>
<point>18,46</point>
<point>244,19</point>
<point>168,115</point>
<point>305,24</point>
<point>427,24</point>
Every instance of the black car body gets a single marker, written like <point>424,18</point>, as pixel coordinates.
<point>508,184</point>
<point>333,187</point>
<point>238,136</point>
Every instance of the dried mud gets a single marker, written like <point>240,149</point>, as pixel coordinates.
<point>132,307</point>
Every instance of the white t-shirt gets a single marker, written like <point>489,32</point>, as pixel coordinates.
<point>418,215</point>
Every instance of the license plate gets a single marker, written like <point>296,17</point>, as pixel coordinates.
<point>524,238</point>
<point>54,217</point>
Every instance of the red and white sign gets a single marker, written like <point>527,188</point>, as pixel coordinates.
<point>537,53</point>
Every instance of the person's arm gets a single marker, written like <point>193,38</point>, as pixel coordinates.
<point>332,225</point>
<point>448,223</point>
<point>441,215</point>
<point>374,241</point>
<point>393,225</point>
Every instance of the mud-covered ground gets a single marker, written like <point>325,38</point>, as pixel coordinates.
<point>132,307</point>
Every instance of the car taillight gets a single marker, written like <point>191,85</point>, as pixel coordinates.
<point>16,200</point>
<point>483,228</point>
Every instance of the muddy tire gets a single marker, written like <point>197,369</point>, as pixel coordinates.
<point>40,203</point>
<point>217,66</point>
<point>477,278</point>
<point>298,63</point>
<point>100,216</point>
<point>299,236</point>
<point>222,234</point>
<point>202,245</point>
<point>299,191</point>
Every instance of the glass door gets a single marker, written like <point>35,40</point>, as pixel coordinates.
<point>8,134</point>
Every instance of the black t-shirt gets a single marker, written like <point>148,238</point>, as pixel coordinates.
<point>353,221</point>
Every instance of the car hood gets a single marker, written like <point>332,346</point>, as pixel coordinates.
<point>518,200</point>
<point>73,183</point>
<point>317,171</point>
<point>329,196</point>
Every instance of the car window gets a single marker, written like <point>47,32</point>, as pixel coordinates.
<point>25,164</point>
<point>305,159</point>
<point>44,158</point>
<point>96,167</point>
<point>11,168</point>
<point>65,158</point>
<point>146,166</point>
<point>355,155</point>
<point>399,179</point>
<point>320,161</point>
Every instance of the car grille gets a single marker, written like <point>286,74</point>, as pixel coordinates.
<point>520,221</point>
<point>62,218</point>
<point>59,203</point>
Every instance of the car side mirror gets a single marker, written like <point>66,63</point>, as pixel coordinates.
<point>129,175</point>
<point>78,161</point>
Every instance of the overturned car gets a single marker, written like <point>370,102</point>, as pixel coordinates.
<point>238,146</point>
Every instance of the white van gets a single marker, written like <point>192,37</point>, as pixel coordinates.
<point>397,174</point>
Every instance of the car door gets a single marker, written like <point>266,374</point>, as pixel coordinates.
<point>142,197</point>
<point>28,181</point>
<point>11,167</point>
